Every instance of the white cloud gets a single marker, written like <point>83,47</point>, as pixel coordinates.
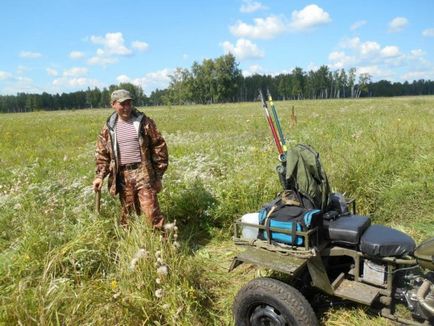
<point>13,83</point>
<point>264,28</point>
<point>340,60</point>
<point>102,60</point>
<point>309,17</point>
<point>22,69</point>
<point>369,53</point>
<point>271,26</point>
<point>390,51</point>
<point>16,84</point>
<point>381,62</point>
<point>123,79</point>
<point>244,49</point>
<point>252,70</point>
<point>369,48</point>
<point>5,75</point>
<point>312,66</point>
<point>76,55</point>
<point>159,76</point>
<point>76,82</point>
<point>416,75</point>
<point>113,47</point>
<point>58,82</point>
<point>429,32</point>
<point>75,72</point>
<point>358,24</point>
<point>52,72</point>
<point>418,53</point>
<point>374,70</point>
<point>418,61</point>
<point>150,81</point>
<point>113,43</point>
<point>351,43</point>
<point>30,55</point>
<point>139,45</point>
<point>397,24</point>
<point>80,81</point>
<point>73,79</point>
<point>250,6</point>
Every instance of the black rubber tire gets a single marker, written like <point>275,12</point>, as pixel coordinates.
<point>266,301</point>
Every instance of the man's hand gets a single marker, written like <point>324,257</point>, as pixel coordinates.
<point>97,184</point>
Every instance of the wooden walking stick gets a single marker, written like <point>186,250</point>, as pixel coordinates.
<point>97,201</point>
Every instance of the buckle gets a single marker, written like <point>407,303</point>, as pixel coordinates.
<point>130,166</point>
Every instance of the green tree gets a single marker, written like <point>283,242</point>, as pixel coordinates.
<point>351,81</point>
<point>364,80</point>
<point>298,83</point>
<point>180,87</point>
<point>343,81</point>
<point>227,78</point>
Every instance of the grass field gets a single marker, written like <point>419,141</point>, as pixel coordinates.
<point>60,263</point>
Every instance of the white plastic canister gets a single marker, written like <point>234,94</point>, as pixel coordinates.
<point>250,232</point>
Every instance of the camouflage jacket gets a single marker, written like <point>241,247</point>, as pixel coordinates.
<point>153,150</point>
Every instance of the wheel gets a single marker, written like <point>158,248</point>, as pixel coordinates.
<point>266,301</point>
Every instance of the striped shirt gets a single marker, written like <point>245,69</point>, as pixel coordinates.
<point>128,140</point>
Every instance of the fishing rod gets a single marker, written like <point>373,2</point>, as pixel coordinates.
<point>272,127</point>
<point>277,121</point>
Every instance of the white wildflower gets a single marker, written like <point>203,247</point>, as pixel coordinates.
<point>141,253</point>
<point>165,306</point>
<point>163,270</point>
<point>159,293</point>
<point>176,244</point>
<point>158,280</point>
<point>133,263</point>
<point>18,206</point>
<point>169,226</point>
<point>158,254</point>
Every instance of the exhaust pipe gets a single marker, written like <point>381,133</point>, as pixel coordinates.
<point>422,293</point>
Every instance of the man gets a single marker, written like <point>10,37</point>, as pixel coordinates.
<point>131,150</point>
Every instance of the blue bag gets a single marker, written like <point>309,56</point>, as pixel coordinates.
<point>287,217</point>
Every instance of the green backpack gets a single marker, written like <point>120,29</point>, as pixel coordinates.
<point>306,176</point>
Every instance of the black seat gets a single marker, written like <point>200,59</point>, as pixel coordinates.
<point>347,230</point>
<point>383,241</point>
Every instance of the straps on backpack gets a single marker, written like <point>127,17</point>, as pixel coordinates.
<point>267,223</point>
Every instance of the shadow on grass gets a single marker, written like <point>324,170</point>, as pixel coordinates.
<point>190,204</point>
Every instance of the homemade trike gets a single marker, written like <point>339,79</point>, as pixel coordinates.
<point>315,245</point>
<point>342,256</point>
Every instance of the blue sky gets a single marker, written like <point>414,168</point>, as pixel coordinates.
<point>63,46</point>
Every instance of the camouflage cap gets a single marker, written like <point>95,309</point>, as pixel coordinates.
<point>121,95</point>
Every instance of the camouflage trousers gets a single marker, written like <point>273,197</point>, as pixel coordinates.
<point>138,196</point>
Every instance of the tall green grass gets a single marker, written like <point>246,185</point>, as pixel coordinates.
<point>60,263</point>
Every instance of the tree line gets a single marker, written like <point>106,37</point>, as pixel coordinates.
<point>91,98</point>
<point>220,81</point>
